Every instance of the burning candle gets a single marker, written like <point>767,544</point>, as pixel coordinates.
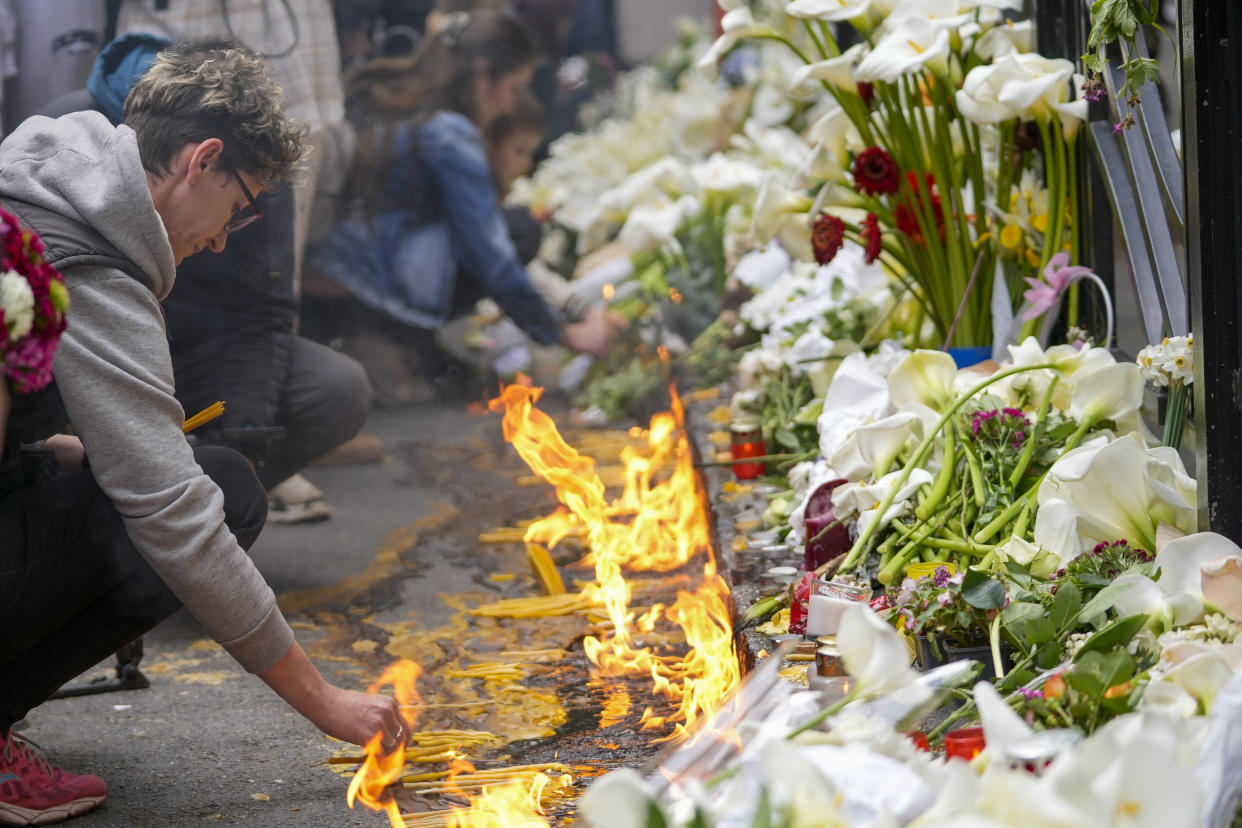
<point>746,436</point>
<point>828,602</point>
<point>966,743</point>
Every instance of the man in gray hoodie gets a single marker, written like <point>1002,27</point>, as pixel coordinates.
<point>90,559</point>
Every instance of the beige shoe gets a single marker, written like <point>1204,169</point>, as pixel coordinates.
<point>361,448</point>
<point>297,500</point>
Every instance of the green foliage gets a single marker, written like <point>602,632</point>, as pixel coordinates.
<point>1121,21</point>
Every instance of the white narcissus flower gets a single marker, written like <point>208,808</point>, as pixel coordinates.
<point>620,799</point>
<point>737,25</point>
<point>1119,490</point>
<point>837,71</point>
<point>873,652</point>
<point>924,376</point>
<point>17,302</point>
<point>916,45</point>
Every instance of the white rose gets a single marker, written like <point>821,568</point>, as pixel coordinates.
<point>17,302</point>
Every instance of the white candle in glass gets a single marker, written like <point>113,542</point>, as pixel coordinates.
<point>824,614</point>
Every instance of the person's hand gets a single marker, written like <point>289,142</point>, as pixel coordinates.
<point>356,717</point>
<point>347,715</point>
<point>594,333</point>
<point>68,450</point>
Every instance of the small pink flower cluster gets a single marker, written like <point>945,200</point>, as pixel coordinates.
<point>34,299</point>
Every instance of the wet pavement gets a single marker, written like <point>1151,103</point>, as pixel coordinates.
<point>393,574</point>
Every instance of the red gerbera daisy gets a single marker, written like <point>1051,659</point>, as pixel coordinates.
<point>876,173</point>
<point>866,91</point>
<point>907,219</point>
<point>827,236</point>
<point>871,238</point>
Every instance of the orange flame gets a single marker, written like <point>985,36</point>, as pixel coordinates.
<point>380,769</point>
<point>658,523</point>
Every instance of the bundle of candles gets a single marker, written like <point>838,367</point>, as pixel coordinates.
<point>203,417</point>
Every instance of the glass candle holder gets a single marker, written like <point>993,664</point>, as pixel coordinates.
<point>920,740</point>
<point>966,743</point>
<point>828,602</point>
<point>746,441</point>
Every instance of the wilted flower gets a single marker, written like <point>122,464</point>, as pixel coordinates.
<point>871,238</point>
<point>827,237</point>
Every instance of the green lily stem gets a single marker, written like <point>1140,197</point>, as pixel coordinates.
<point>823,715</point>
<point>1012,510</point>
<point>766,458</point>
<point>940,487</point>
<point>1028,451</point>
<point>854,557</point>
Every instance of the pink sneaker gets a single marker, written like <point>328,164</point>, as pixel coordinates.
<point>32,792</point>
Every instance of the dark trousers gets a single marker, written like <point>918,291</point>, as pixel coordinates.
<point>74,590</point>
<point>324,400</point>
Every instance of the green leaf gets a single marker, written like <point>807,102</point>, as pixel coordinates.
<point>1017,615</point>
<point>763,813</point>
<point>700,820</point>
<point>1087,676</point>
<point>655,818</point>
<point>1103,600</point>
<point>785,437</point>
<point>1039,630</point>
<point>1118,667</point>
<point>1049,656</point>
<point>982,592</point>
<point>1066,605</point>
<point>1115,635</point>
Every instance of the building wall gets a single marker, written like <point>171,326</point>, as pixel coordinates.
<point>645,27</point>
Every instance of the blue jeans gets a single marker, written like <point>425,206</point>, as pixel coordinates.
<point>73,589</point>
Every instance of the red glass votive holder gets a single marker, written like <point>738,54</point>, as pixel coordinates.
<point>966,743</point>
<point>746,440</point>
<point>920,740</point>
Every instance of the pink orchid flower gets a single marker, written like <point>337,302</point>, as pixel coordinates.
<point>1058,275</point>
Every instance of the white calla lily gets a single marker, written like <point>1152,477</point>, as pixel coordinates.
<point>979,98</point>
<point>864,498</point>
<point>1035,83</point>
<point>838,71</point>
<point>1114,491</point>
<point>916,45</point>
<point>1169,700</point>
<point>1128,775</point>
<point>653,226</point>
<point>774,207</point>
<point>1001,725</point>
<point>1040,562</point>
<point>924,376</point>
<point>1200,670</point>
<point>737,25</point>
<point>1007,37</point>
<point>832,11</point>
<point>1222,584</point>
<point>727,176</point>
<point>873,652</point>
<point>1113,392</point>
<point>820,164</point>
<point>836,131</point>
<point>946,14</point>
<point>619,799</point>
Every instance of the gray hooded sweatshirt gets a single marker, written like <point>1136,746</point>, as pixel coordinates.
<point>115,376</point>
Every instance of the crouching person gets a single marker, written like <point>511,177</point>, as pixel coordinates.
<point>104,534</point>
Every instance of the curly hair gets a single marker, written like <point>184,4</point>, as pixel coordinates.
<point>215,89</point>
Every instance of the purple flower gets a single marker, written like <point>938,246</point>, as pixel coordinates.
<point>1093,89</point>
<point>941,577</point>
<point>1030,694</point>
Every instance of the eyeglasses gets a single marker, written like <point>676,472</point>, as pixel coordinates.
<point>244,219</point>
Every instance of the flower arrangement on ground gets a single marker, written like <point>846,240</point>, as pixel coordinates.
<point>33,302</point>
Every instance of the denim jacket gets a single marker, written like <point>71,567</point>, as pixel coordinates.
<point>405,260</point>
